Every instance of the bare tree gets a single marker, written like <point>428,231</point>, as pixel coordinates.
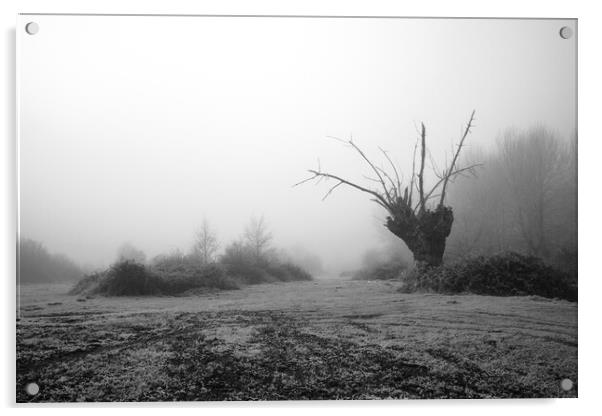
<point>257,236</point>
<point>483,210</point>
<point>524,200</point>
<point>423,228</point>
<point>537,165</point>
<point>206,244</point>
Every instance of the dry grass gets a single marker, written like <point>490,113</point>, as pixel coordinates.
<point>300,340</point>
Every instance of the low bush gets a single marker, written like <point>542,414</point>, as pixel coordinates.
<point>250,268</point>
<point>212,276</point>
<point>128,278</point>
<point>170,276</point>
<point>506,274</point>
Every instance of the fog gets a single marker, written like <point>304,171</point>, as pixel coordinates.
<point>136,129</point>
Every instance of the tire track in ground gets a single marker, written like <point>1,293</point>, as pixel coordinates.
<point>430,350</point>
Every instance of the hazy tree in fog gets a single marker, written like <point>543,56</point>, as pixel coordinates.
<point>524,200</point>
<point>535,164</point>
<point>257,236</point>
<point>205,244</point>
<point>237,252</point>
<point>37,265</point>
<point>412,216</point>
<point>482,209</point>
<point>127,252</point>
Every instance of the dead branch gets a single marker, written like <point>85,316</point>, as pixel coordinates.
<point>413,174</point>
<point>317,175</point>
<point>375,169</point>
<point>430,195</point>
<point>331,189</point>
<point>421,173</point>
<point>386,154</point>
<point>391,184</point>
<point>371,179</point>
<point>455,158</point>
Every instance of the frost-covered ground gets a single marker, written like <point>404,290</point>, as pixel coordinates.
<point>327,339</point>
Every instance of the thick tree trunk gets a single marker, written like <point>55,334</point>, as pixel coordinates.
<point>424,233</point>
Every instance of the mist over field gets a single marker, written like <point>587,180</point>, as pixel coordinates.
<point>263,208</point>
<point>152,142</point>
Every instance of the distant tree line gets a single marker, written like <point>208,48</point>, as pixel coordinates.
<point>524,200</point>
<point>37,265</point>
<point>250,259</point>
<point>253,248</point>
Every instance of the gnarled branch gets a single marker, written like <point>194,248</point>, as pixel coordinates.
<point>317,175</point>
<point>391,184</point>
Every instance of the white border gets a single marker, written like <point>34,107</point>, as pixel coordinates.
<point>590,93</point>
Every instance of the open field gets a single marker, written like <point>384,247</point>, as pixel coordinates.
<point>326,339</point>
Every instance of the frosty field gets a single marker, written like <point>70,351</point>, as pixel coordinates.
<point>324,339</point>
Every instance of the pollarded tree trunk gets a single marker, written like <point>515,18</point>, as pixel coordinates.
<point>423,229</point>
<point>425,233</point>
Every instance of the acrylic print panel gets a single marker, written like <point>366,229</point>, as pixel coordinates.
<point>290,208</point>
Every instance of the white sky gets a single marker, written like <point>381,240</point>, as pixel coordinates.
<point>135,128</point>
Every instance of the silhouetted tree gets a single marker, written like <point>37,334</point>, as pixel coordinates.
<point>257,236</point>
<point>535,166</point>
<point>524,200</point>
<point>422,227</point>
<point>205,245</point>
